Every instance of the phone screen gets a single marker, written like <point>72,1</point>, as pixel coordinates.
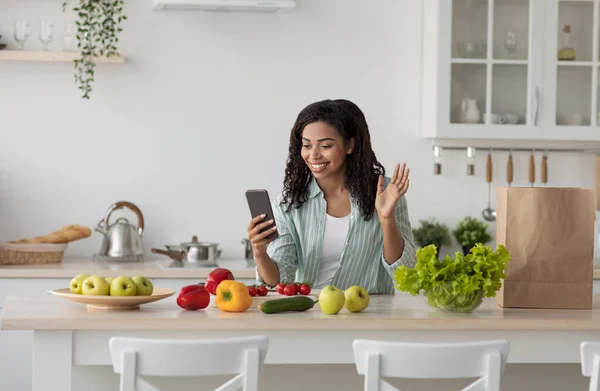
<point>259,203</point>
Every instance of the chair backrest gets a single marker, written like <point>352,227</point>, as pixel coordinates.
<point>135,357</point>
<point>481,359</point>
<point>590,363</point>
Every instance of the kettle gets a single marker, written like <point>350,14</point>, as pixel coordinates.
<point>122,240</point>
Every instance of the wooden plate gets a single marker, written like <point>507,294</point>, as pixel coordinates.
<point>113,303</point>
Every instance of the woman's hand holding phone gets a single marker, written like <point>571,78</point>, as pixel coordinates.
<point>262,230</point>
<point>259,240</point>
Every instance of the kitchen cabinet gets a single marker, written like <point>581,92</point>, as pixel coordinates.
<point>502,57</point>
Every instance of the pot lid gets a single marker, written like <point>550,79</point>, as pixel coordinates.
<point>196,243</point>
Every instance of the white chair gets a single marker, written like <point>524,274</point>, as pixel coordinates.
<point>482,359</point>
<point>590,363</point>
<point>136,357</point>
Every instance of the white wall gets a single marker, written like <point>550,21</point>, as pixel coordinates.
<point>202,111</point>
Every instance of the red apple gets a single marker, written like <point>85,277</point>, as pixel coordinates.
<point>215,277</point>
<point>193,297</point>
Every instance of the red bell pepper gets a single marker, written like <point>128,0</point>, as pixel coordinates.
<point>193,297</point>
<point>215,277</point>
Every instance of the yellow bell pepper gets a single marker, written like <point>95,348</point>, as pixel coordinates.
<point>233,296</point>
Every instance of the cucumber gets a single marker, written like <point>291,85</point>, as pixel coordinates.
<point>287,304</point>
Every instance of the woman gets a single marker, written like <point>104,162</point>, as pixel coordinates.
<point>340,222</point>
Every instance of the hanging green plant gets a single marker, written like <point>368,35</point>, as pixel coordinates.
<point>98,28</point>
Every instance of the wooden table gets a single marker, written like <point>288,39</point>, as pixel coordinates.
<point>32,280</point>
<point>67,335</point>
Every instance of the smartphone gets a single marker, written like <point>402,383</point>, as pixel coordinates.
<point>259,203</point>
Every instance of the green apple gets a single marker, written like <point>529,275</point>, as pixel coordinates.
<point>109,280</point>
<point>95,285</point>
<point>77,283</point>
<point>357,298</point>
<point>144,286</point>
<point>331,300</point>
<point>123,286</point>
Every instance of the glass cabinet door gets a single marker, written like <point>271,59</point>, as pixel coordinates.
<point>573,58</point>
<point>575,63</point>
<point>490,65</point>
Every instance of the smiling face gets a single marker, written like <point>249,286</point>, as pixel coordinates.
<point>324,150</point>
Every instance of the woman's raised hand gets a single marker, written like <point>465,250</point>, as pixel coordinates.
<point>386,199</point>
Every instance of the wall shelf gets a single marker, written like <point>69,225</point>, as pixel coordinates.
<point>35,56</point>
<point>575,63</point>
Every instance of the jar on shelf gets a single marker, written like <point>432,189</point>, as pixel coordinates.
<point>69,40</point>
<point>567,51</point>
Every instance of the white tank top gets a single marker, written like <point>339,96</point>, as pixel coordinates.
<point>334,240</point>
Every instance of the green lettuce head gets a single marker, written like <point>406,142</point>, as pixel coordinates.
<point>479,273</point>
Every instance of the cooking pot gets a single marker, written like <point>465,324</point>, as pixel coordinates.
<point>192,252</point>
<point>201,251</point>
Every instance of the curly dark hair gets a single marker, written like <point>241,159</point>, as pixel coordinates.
<point>362,169</point>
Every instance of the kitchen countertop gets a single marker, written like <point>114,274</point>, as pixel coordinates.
<point>149,268</point>
<point>385,312</point>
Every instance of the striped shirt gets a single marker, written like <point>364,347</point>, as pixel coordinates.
<point>297,251</point>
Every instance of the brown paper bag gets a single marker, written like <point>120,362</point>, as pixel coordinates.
<point>549,233</point>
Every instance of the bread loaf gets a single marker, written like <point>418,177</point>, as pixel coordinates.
<point>66,234</point>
